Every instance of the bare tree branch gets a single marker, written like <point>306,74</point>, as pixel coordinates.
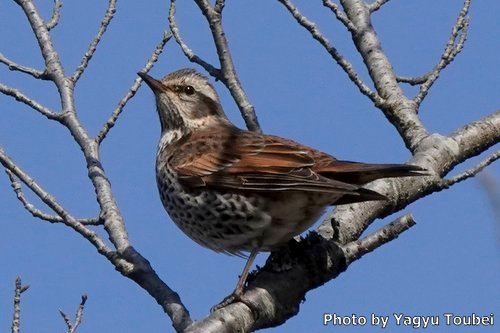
<point>376,5</point>
<point>269,299</point>
<point>455,44</point>
<point>19,96</point>
<point>16,186</point>
<point>215,72</point>
<point>51,202</point>
<point>126,259</point>
<point>340,15</point>
<point>275,292</point>
<point>399,110</point>
<point>37,74</point>
<point>413,80</point>
<point>439,154</point>
<point>56,14</point>
<point>110,13</point>
<point>54,69</point>
<point>227,72</point>
<point>336,55</point>
<point>16,318</point>
<point>132,91</point>
<point>72,327</point>
<point>474,138</point>
<point>472,171</point>
<point>358,248</point>
<point>219,6</point>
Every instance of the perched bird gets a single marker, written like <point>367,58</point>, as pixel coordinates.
<point>237,191</point>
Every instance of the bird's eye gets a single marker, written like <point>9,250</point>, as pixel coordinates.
<point>189,90</point>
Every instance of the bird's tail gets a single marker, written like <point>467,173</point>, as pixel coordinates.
<point>362,173</point>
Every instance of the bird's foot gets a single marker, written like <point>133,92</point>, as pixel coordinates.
<point>235,296</point>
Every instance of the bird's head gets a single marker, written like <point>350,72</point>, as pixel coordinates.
<point>185,101</point>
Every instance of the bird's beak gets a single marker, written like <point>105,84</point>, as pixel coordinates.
<point>154,84</point>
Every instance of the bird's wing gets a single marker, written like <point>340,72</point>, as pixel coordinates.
<point>229,158</point>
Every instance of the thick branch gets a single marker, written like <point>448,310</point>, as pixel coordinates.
<point>272,298</point>
<point>275,292</point>
<point>399,110</point>
<point>438,154</point>
<point>474,138</point>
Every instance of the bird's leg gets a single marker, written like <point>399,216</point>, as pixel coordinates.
<point>238,291</point>
<point>244,274</point>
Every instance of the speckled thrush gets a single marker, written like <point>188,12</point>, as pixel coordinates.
<point>237,191</point>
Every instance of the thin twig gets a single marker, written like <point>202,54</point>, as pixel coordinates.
<point>16,318</point>
<point>56,14</point>
<point>334,53</point>
<point>110,12</point>
<point>19,96</point>
<point>212,70</point>
<point>78,317</point>
<point>341,16</point>
<point>472,171</point>
<point>37,74</point>
<point>16,186</point>
<point>132,91</point>
<point>219,6</point>
<point>413,80</point>
<point>453,47</point>
<point>356,249</point>
<point>376,5</point>
<point>51,202</point>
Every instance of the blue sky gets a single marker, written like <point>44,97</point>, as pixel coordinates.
<point>449,262</point>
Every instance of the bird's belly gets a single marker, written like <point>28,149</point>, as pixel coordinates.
<point>237,222</point>
<point>292,213</point>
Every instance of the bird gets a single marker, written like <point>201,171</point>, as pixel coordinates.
<point>242,192</point>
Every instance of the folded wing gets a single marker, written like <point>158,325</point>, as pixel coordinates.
<point>236,160</point>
